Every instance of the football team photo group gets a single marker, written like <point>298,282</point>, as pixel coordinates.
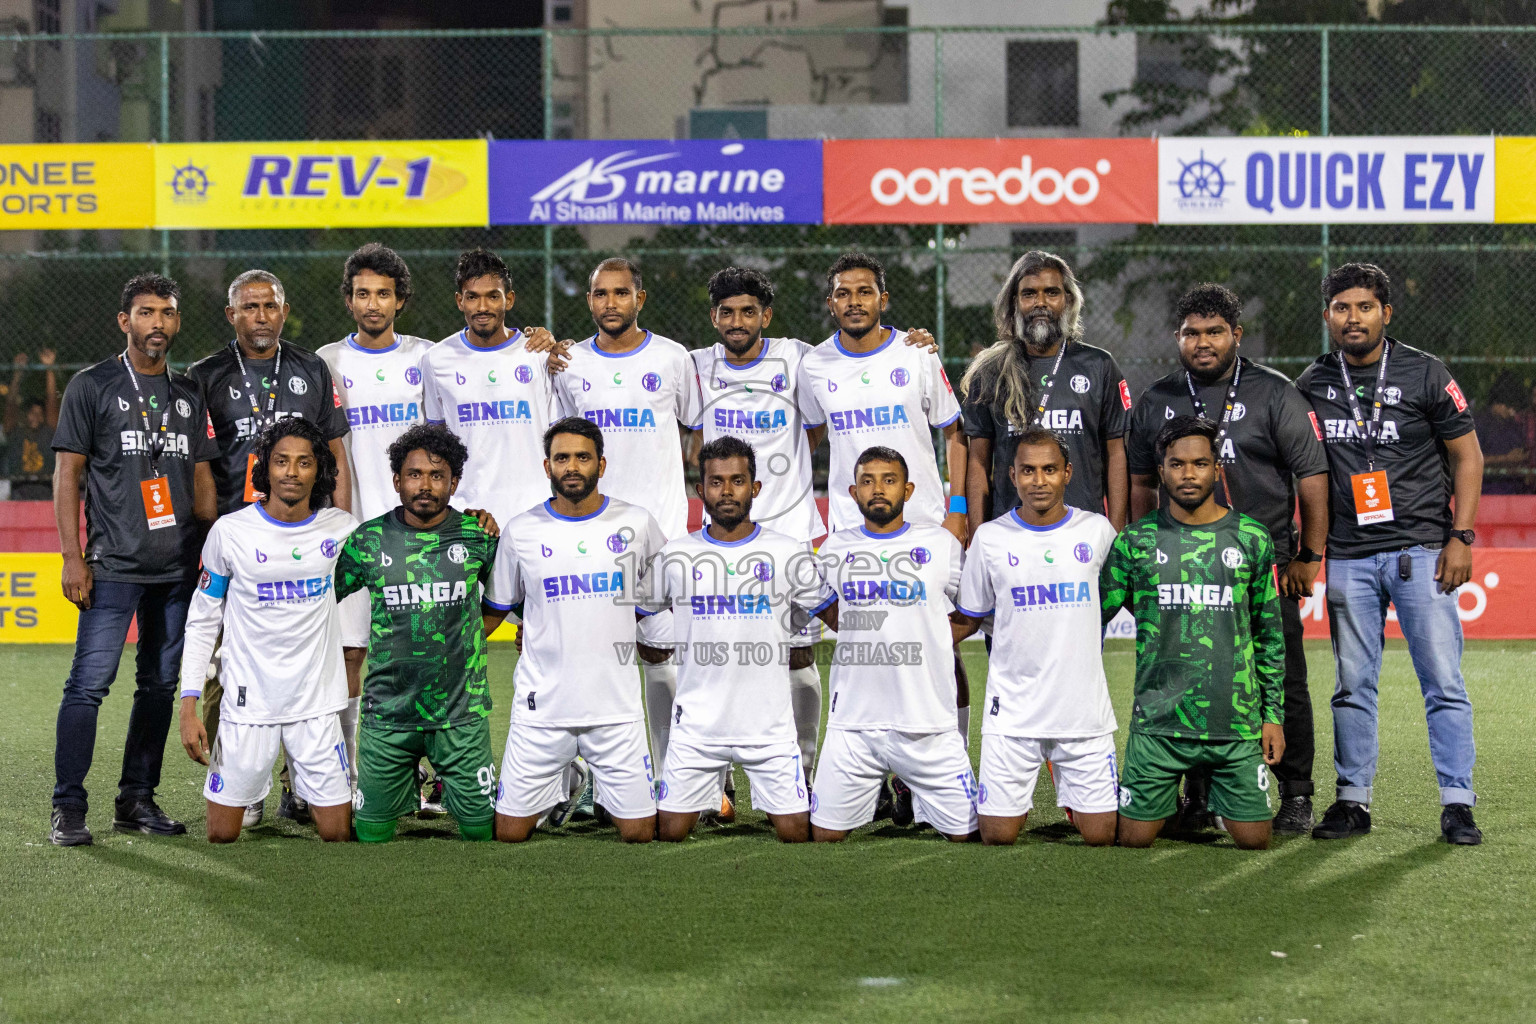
<point>318,546</point>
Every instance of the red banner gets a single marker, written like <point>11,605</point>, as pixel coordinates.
<point>967,181</point>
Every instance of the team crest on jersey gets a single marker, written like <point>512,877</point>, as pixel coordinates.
<point>1083,552</point>
<point>779,383</point>
<point>900,377</point>
<point>457,553</point>
<point>651,382</point>
<point>763,571</point>
<point>617,542</point>
<point>1239,410</point>
<point>215,783</point>
<point>183,408</point>
<point>1231,558</point>
<point>412,375</point>
<point>523,373</point>
<point>1392,396</point>
<point>297,385</point>
<point>1080,384</point>
<point>328,548</point>
<point>922,556</point>
<point>981,794</point>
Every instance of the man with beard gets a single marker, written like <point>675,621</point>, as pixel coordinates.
<point>575,564</point>
<point>893,677</point>
<point>739,593</point>
<point>135,435</point>
<point>1393,471</point>
<point>249,384</point>
<point>1210,657</point>
<point>1039,373</point>
<point>1265,439</point>
<point>426,695</point>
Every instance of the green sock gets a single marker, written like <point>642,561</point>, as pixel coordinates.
<point>373,831</point>
<point>477,833</point>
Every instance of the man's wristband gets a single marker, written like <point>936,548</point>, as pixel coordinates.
<point>957,503</point>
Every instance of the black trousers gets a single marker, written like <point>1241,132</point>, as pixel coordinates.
<point>1295,768</point>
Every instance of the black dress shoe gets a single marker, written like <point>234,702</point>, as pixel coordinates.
<point>67,828</point>
<point>1457,826</point>
<point>1344,820</point>
<point>146,816</point>
<point>1295,816</point>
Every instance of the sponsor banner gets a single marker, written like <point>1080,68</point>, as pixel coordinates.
<point>32,605</point>
<point>1514,192</point>
<point>967,181</point>
<point>320,184</point>
<point>52,186</point>
<point>1326,180</point>
<point>638,181</point>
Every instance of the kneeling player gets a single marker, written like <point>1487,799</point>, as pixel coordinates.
<point>1036,570</point>
<point>425,694</point>
<point>893,671</point>
<point>1210,654</point>
<point>738,593</point>
<point>267,581</point>
<point>573,563</point>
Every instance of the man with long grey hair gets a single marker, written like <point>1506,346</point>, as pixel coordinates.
<point>1040,373</point>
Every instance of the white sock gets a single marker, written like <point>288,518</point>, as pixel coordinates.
<point>805,698</point>
<point>963,722</point>
<point>349,734</point>
<point>660,689</point>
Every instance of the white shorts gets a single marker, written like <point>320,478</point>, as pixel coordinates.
<point>853,764</point>
<point>1084,772</point>
<point>356,619</point>
<point>240,770</point>
<point>533,768</point>
<point>655,630</point>
<point>693,778</point>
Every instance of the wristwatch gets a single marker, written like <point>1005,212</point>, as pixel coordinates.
<point>1306,554</point>
<point>1465,536</point>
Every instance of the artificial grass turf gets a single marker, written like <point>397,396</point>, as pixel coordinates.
<point>892,925</point>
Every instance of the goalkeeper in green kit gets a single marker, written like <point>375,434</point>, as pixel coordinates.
<point>1210,655</point>
<point>426,693</point>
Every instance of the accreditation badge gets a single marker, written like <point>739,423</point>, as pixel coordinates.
<point>157,503</point>
<point>1373,501</point>
<point>252,495</point>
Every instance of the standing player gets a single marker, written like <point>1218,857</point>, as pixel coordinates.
<point>281,639</point>
<point>893,681</point>
<point>249,384</point>
<point>1037,570</point>
<point>574,563</point>
<point>1039,373</point>
<point>1210,655</point>
<point>426,694</point>
<point>739,592</point>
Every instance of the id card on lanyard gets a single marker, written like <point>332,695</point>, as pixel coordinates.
<point>263,418</point>
<point>159,513</point>
<point>1373,499</point>
<point>1223,426</point>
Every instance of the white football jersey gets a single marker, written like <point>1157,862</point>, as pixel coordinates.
<point>894,665</point>
<point>269,586</point>
<point>734,610</point>
<point>499,401</point>
<point>892,397</point>
<point>756,402</point>
<point>1046,677</point>
<point>381,389</point>
<point>576,580</point>
<point>637,399</point>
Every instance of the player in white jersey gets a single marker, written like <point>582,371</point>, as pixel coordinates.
<point>893,675</point>
<point>739,594</point>
<point>267,582</point>
<point>573,563</point>
<point>1036,570</point>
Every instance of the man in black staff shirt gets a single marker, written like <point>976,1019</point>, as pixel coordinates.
<point>1040,373</point>
<point>1400,442</point>
<point>1265,439</point>
<point>137,436</point>
<point>249,384</point>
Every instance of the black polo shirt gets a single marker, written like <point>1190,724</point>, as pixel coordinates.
<point>1271,441</point>
<point>100,418</point>
<point>1422,408</point>
<point>305,389</point>
<point>1090,405</point>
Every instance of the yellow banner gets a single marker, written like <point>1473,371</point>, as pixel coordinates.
<point>321,184</point>
<point>58,187</point>
<point>1514,180</point>
<point>32,605</point>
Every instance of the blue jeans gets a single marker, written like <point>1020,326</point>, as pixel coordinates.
<point>1358,592</point>
<point>162,612</point>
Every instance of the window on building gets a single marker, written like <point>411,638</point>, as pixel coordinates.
<point>560,14</point>
<point>1042,84</point>
<point>1160,61</point>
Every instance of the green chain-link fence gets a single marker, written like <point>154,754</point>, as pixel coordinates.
<point>1458,292</point>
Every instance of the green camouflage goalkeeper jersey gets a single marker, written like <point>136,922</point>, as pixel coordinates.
<point>1210,656</point>
<point>426,646</point>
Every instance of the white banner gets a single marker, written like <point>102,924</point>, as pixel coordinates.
<point>1325,180</point>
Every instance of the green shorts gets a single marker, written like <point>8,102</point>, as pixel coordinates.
<point>386,773</point>
<point>1149,780</point>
